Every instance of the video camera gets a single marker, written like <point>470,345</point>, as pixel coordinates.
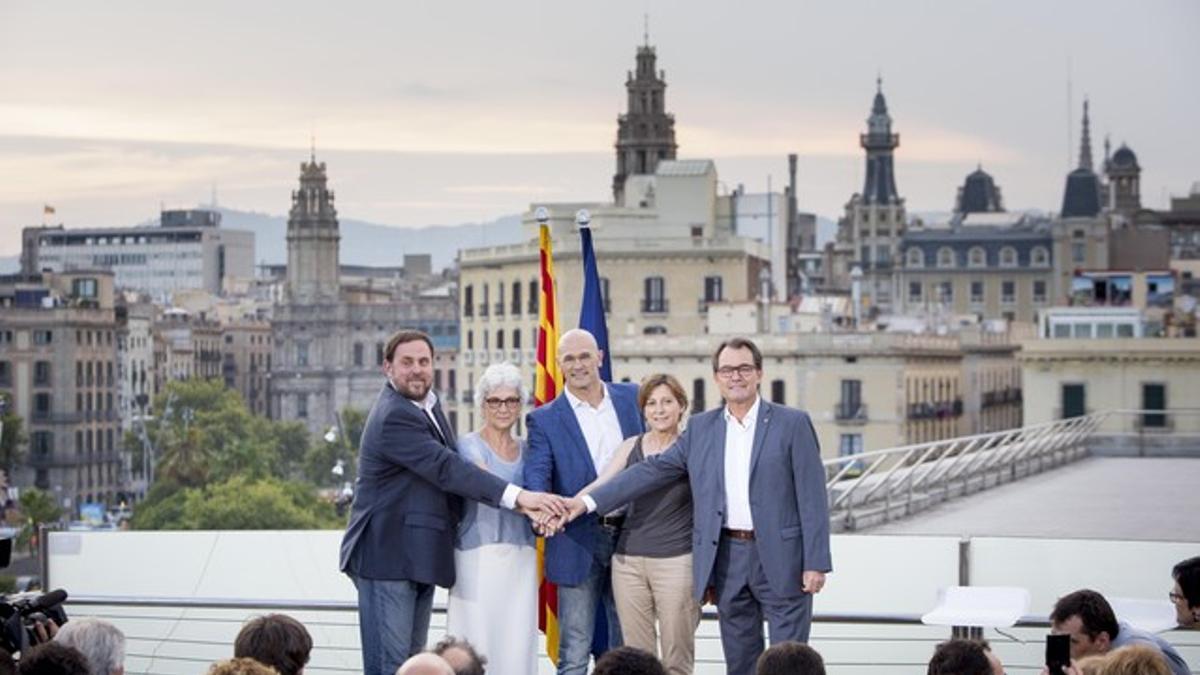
<point>21,614</point>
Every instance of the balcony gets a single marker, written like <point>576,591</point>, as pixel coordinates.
<point>654,305</point>
<point>850,412</point>
<point>483,310</point>
<point>499,309</point>
<point>936,410</point>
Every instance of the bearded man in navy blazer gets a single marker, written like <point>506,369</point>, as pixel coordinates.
<point>570,442</point>
<point>411,481</point>
<point>760,545</point>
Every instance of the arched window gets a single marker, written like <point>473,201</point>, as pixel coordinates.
<point>1008,257</point>
<point>977,257</point>
<point>1040,256</point>
<point>915,257</point>
<point>945,257</point>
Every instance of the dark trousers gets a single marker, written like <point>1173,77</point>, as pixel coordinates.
<point>744,599</point>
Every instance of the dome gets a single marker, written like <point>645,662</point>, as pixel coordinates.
<point>979,194</point>
<point>1124,158</point>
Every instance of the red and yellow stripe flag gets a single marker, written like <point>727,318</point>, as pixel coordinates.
<point>546,386</point>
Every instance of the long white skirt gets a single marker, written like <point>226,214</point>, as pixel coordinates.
<point>494,605</point>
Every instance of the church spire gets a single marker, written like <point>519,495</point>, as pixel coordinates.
<point>646,131</point>
<point>879,142</point>
<point>1085,145</point>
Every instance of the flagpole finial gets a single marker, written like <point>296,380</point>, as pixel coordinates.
<point>541,215</point>
<point>583,218</point>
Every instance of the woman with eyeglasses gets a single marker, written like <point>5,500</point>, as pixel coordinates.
<point>493,604</point>
<point>652,564</point>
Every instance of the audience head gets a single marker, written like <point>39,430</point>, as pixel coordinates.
<point>790,658</point>
<point>52,658</point>
<point>461,656</point>
<point>276,640</point>
<point>241,666</point>
<point>1091,665</point>
<point>100,642</point>
<point>425,663</point>
<point>960,657</point>
<point>628,661</point>
<point>1136,660</point>
<point>1088,618</point>
<point>1186,594</point>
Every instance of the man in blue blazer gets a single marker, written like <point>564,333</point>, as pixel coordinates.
<point>400,540</point>
<point>760,545</point>
<point>570,441</point>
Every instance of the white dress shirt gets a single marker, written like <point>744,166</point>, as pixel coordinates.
<point>600,426</point>
<point>509,499</point>
<point>739,444</point>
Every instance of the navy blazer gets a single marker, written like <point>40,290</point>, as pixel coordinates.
<point>405,512</point>
<point>788,501</point>
<point>557,460</point>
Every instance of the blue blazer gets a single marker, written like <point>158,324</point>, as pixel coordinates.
<point>557,460</point>
<point>406,501</point>
<point>788,501</point>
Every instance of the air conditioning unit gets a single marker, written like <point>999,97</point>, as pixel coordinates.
<point>468,357</point>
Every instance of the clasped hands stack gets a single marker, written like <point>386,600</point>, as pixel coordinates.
<point>549,513</point>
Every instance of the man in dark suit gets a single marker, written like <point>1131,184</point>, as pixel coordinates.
<point>570,442</point>
<point>400,540</point>
<point>761,513</point>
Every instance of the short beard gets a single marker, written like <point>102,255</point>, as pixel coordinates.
<point>403,388</point>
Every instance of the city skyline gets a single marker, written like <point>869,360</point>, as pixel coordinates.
<point>113,111</point>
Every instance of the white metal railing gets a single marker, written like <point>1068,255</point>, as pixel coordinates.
<point>882,485</point>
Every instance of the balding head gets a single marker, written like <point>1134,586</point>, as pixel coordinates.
<point>576,338</point>
<point>579,360</point>
<point>425,663</point>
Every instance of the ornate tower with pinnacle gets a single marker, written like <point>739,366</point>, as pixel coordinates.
<point>645,132</point>
<point>1082,196</point>
<point>312,239</point>
<point>879,142</point>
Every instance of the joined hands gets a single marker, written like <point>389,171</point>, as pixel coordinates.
<point>549,513</point>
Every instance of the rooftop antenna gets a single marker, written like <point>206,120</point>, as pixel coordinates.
<point>646,28</point>
<point>1070,115</point>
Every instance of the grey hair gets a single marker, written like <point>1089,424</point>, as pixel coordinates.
<point>499,375</point>
<point>100,642</point>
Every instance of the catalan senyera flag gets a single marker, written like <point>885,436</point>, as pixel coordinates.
<point>546,386</point>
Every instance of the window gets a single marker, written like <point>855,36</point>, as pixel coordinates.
<point>605,298</point>
<point>470,339</point>
<point>302,353</point>
<point>1154,397</point>
<point>977,257</point>
<point>500,339</point>
<point>533,298</point>
<point>516,298</point>
<point>1008,292</point>
<point>483,306</point>
<point>5,374</point>
<point>714,289</point>
<point>977,292</point>
<point>469,301</point>
<point>850,444</point>
<point>43,337</point>
<point>698,395</point>
<point>1008,257</point>
<point>500,298</point>
<point>914,291</point>
<point>654,298</point>
<point>850,405</point>
<point>883,254</point>
<point>945,257</point>
<point>1078,252</point>
<point>358,354</point>
<point>516,338</point>
<point>379,355</point>
<point>1039,290</point>
<point>42,444</point>
<point>41,406</point>
<point>915,257</point>
<point>946,292</point>
<point>1074,401</point>
<point>777,392</point>
<point>302,406</point>
<point>1040,256</point>
<point>84,288</point>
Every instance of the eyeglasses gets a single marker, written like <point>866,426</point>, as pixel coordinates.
<point>1175,597</point>
<point>497,403</point>
<point>745,370</point>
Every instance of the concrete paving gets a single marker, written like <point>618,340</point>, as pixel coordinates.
<point>1151,499</point>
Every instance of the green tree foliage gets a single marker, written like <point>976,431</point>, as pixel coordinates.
<point>12,436</point>
<point>324,454</point>
<point>240,503</point>
<point>39,507</point>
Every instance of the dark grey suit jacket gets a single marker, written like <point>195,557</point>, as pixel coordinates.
<point>405,511</point>
<point>787,493</point>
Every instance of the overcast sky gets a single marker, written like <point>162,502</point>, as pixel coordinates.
<point>449,112</point>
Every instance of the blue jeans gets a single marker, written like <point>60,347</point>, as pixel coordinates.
<point>577,609</point>
<point>393,621</point>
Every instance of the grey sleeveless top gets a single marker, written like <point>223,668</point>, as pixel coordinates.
<point>657,524</point>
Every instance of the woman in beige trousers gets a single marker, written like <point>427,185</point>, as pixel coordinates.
<point>652,566</point>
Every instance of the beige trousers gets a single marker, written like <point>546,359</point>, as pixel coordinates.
<point>650,589</point>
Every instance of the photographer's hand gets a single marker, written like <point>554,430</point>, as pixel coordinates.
<point>45,630</point>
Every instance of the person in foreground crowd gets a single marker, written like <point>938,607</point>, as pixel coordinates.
<point>52,658</point>
<point>1088,618</point>
<point>275,640</point>
<point>652,565</point>
<point>760,509</point>
<point>241,666</point>
<point>100,642</point>
<point>425,663</point>
<point>399,543</point>
<point>1186,593</point>
<point>964,657</point>
<point>495,555</point>
<point>462,656</point>
<point>790,658</point>
<point>628,661</point>
<point>571,440</point>
<point>1135,660</point>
